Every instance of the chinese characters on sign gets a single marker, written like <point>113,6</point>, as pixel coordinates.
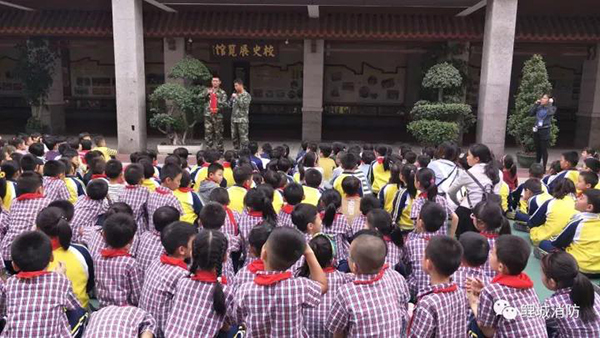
<point>262,51</point>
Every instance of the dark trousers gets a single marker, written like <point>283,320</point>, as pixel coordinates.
<point>542,142</point>
<point>465,222</point>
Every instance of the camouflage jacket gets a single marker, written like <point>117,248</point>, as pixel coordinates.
<point>240,107</point>
<point>221,101</point>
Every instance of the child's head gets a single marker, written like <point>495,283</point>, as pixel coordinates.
<point>407,177</point>
<point>432,217</point>
<point>349,161</point>
<point>509,255</point>
<point>381,221</point>
<point>563,187</point>
<point>36,149</point>
<point>176,238</point>
<point>324,249</point>
<point>118,230</point>
<point>293,194</point>
<point>99,141</point>
<point>588,152</point>
<point>258,237</point>
<point>212,216</point>
<point>164,216</point>
<point>170,176</point>
<point>283,248</point>
<point>536,171</point>
<point>209,252</point>
<point>367,156</point>
<point>569,160</point>
<point>119,208</point>
<point>531,187</point>
<point>425,182</point>
<point>114,169</point>
<point>29,183</point>
<point>589,201</point>
<point>66,207</point>
<point>186,179</point>
<point>181,152</point>
<point>410,157</point>
<point>325,149</point>
<point>86,145</point>
<point>313,178</point>
<point>443,255</point>
<point>475,249</point>
<point>18,143</point>
<point>174,159</point>
<point>148,167</point>
<point>219,195</point>
<point>97,189</point>
<point>267,149</point>
<point>275,179</point>
<point>259,200</point>
<point>448,151</point>
<point>242,175</point>
<point>489,217</point>
<point>97,166</point>
<point>31,251</point>
<point>51,142</point>
<point>134,174</point>
<point>587,180</point>
<point>284,165</point>
<point>215,172</point>
<point>555,167</point>
<point>10,169</point>
<point>423,160</point>
<point>306,218</point>
<point>330,202</point>
<point>52,222</point>
<point>367,254</point>
<point>55,169</point>
<point>560,271</point>
<point>591,164</point>
<point>253,147</point>
<point>508,163</point>
<point>368,203</point>
<point>351,186</point>
<point>30,163</point>
<point>69,168</point>
<point>338,147</point>
<point>91,155</point>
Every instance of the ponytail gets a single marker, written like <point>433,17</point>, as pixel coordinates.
<point>485,155</point>
<point>65,233</point>
<point>408,173</point>
<point>331,201</point>
<point>218,294</point>
<point>562,188</point>
<point>426,178</point>
<point>261,199</point>
<point>582,294</point>
<point>490,213</point>
<point>52,222</point>
<point>381,221</point>
<point>208,251</point>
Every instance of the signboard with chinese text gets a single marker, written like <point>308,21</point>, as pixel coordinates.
<point>244,50</point>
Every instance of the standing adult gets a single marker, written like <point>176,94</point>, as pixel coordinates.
<point>543,110</point>
<point>482,178</point>
<point>445,168</point>
<point>213,114</point>
<point>240,104</point>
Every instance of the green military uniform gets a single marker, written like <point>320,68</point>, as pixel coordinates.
<point>239,119</point>
<point>213,122</point>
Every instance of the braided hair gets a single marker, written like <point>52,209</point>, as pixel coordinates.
<point>208,251</point>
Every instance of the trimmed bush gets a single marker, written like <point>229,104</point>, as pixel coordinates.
<point>433,132</point>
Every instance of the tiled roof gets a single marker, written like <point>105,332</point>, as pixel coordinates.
<point>275,25</point>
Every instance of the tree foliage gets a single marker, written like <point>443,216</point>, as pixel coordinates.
<point>433,132</point>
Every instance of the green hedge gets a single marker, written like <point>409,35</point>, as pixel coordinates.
<point>433,132</point>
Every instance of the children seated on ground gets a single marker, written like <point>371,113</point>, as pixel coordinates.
<point>23,211</point>
<point>534,195</point>
<point>379,172</point>
<point>375,303</point>
<point>256,240</point>
<point>120,321</point>
<point>312,182</point>
<point>149,175</point>
<point>9,173</point>
<point>54,184</point>
<point>351,198</point>
<point>107,152</point>
<point>336,225</point>
<point>388,192</point>
<point>367,204</point>
<point>242,175</point>
<point>188,199</point>
<point>431,219</point>
<point>425,184</point>
<point>283,318</point>
<point>489,220</point>
<point>213,179</point>
<point>31,163</point>
<point>170,177</point>
<point>276,181</point>
<point>475,254</point>
<point>148,247</point>
<point>552,216</point>
<point>560,274</point>
<point>93,237</point>
<point>568,167</point>
<point>74,184</point>
<point>211,156</point>
<point>513,288</point>
<point>325,161</point>
<point>293,194</point>
<point>162,275</point>
<point>35,298</point>
<point>437,311</point>
<point>587,180</point>
<point>404,198</point>
<point>307,219</point>
<point>75,258</point>
<point>89,208</point>
<point>259,207</point>
<point>349,163</point>
<point>136,195</point>
<point>114,173</point>
<point>581,236</point>
<point>309,161</point>
<point>230,226</point>
<point>118,281</point>
<point>516,202</point>
<point>381,221</point>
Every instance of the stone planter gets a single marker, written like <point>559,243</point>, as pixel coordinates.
<point>525,160</point>
<point>168,149</point>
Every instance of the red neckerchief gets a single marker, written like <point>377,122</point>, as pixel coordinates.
<point>380,159</point>
<point>205,165</point>
<point>213,102</point>
<point>163,190</point>
<point>451,288</point>
<point>168,260</point>
<point>287,208</point>
<point>423,194</point>
<point>272,279</point>
<point>31,274</point>
<point>132,186</point>
<point>232,220</point>
<point>520,281</point>
<point>375,279</point>
<point>95,176</point>
<point>387,238</point>
<point>55,243</point>
<point>186,189</point>
<point>226,164</point>
<point>111,253</point>
<point>29,196</point>
<point>256,265</point>
<point>255,213</point>
<point>208,277</point>
<point>489,235</point>
<point>329,269</point>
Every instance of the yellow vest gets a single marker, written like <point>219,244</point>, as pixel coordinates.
<point>201,175</point>
<point>380,176</point>
<point>150,184</point>
<point>77,271</point>
<point>228,175</point>
<point>387,195</point>
<point>585,244</point>
<point>311,195</point>
<point>504,192</point>
<point>402,207</point>
<point>11,194</point>
<point>236,198</point>
<point>186,199</point>
<point>277,201</point>
<point>328,165</point>
<point>558,213</point>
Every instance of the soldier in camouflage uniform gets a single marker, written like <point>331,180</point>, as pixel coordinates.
<point>240,104</point>
<point>216,102</point>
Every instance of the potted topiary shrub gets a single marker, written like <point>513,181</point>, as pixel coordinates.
<point>534,83</point>
<point>442,120</point>
<point>176,106</point>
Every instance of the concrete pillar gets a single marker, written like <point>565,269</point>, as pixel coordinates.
<point>414,77</point>
<point>53,114</point>
<point>312,89</point>
<point>128,37</point>
<point>174,51</point>
<point>588,115</point>
<point>496,66</point>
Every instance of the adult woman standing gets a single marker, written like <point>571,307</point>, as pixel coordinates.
<point>482,178</point>
<point>543,110</point>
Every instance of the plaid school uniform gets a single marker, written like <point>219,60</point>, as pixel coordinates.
<point>275,308</point>
<point>55,189</point>
<point>136,196</point>
<point>518,292</point>
<point>491,238</point>
<point>341,232</point>
<point>418,205</point>
<point>35,305</point>
<point>160,283</point>
<point>148,249</point>
<point>394,253</point>
<point>284,219</point>
<point>92,238</point>
<point>246,274</point>
<point>192,313</point>
<point>119,321</point>
<point>118,280</point>
<point>314,318</point>
<point>372,305</point>
<point>414,252</point>
<point>231,225</point>
<point>21,218</point>
<point>159,198</point>
<point>570,326</point>
<point>86,215</point>
<point>359,223</point>
<point>465,272</point>
<point>248,220</point>
<point>435,312</point>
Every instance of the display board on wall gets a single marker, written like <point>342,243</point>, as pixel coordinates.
<point>271,83</point>
<point>9,84</point>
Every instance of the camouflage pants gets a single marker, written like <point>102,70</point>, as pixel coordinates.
<point>213,131</point>
<point>239,134</point>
